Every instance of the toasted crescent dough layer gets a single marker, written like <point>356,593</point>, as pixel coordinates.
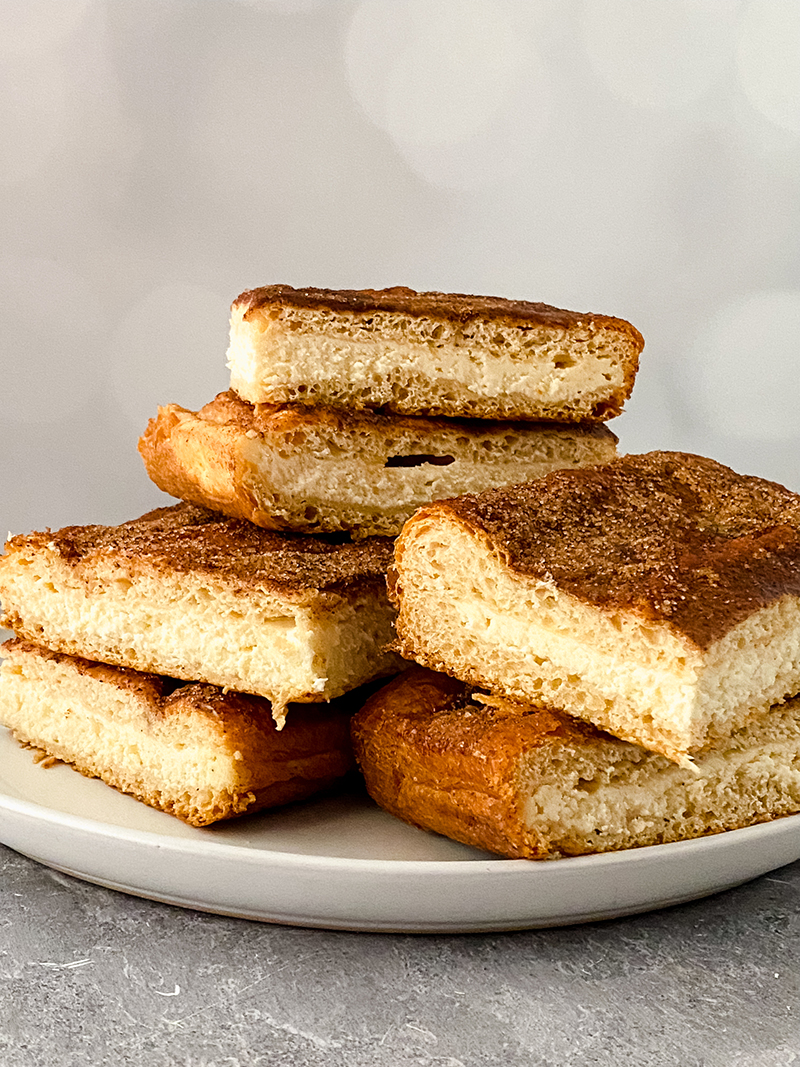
<point>430,354</point>
<point>657,596</point>
<point>529,783</point>
<point>189,750</point>
<point>191,594</point>
<point>321,469</point>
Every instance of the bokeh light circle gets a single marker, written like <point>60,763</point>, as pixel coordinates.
<point>654,54</point>
<point>441,76</point>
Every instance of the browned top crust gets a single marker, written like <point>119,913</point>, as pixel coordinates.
<point>186,538</point>
<point>675,538</point>
<point>228,409</point>
<point>434,754</point>
<point>450,307</point>
<point>442,717</point>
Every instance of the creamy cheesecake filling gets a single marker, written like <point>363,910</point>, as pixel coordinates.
<point>394,359</point>
<point>349,487</point>
<point>618,793</point>
<point>196,629</point>
<point>377,375</point>
<point>530,640</point>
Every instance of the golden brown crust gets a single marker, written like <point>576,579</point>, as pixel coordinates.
<point>526,782</point>
<point>198,461</point>
<point>227,409</point>
<point>213,458</point>
<point>450,307</point>
<point>437,757</point>
<point>274,766</point>
<point>185,538</point>
<point>675,538</point>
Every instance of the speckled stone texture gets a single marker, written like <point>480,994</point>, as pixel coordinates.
<point>93,977</point>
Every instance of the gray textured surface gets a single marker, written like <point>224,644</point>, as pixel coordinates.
<point>89,976</point>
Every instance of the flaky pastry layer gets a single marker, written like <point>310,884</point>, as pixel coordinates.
<point>526,782</point>
<point>430,354</point>
<point>656,596</point>
<point>190,750</point>
<point>321,469</point>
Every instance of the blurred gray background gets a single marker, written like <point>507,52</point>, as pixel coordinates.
<point>638,158</point>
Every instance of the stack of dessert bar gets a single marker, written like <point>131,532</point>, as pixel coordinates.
<point>349,410</point>
<point>163,655</point>
<point>607,658</point>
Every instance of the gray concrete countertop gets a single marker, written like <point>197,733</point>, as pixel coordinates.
<point>93,977</point>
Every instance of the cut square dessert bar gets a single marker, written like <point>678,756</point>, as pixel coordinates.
<point>529,783</point>
<point>657,596</point>
<point>187,749</point>
<point>322,469</point>
<point>430,354</point>
<point>191,594</point>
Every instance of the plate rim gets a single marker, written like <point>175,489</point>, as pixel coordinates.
<point>196,847</point>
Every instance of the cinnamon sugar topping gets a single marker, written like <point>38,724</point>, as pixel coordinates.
<point>185,538</point>
<point>450,307</point>
<point>675,538</point>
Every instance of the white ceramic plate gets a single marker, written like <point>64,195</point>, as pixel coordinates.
<point>341,863</point>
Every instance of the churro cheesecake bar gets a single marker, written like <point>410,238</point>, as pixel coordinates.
<point>321,469</point>
<point>530,783</point>
<point>191,594</point>
<point>189,749</point>
<point>430,354</point>
<point>656,596</point>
